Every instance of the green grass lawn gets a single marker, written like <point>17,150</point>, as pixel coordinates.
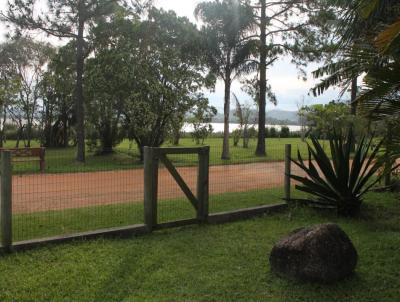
<point>208,263</point>
<point>126,156</point>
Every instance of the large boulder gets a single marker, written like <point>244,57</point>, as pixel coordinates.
<point>322,253</point>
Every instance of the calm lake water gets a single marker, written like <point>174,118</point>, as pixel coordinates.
<point>219,127</point>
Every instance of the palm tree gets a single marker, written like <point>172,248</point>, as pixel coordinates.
<point>371,45</point>
<point>225,24</point>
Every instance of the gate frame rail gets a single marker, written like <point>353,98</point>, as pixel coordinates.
<point>152,158</point>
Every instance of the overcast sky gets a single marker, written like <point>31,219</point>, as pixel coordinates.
<point>283,76</point>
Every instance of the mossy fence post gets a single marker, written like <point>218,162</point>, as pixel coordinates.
<point>288,158</point>
<point>203,184</point>
<point>6,201</point>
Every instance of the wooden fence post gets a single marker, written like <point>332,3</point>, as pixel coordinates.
<point>288,157</point>
<point>151,161</point>
<point>6,200</point>
<point>203,184</point>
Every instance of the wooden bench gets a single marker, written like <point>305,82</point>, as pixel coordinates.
<point>28,155</point>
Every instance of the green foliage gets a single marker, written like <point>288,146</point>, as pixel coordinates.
<point>225,23</point>
<point>167,76</point>
<point>323,119</point>
<point>64,19</point>
<point>200,119</point>
<point>236,136</point>
<point>22,71</point>
<point>285,132</point>
<point>57,93</point>
<point>266,132</point>
<point>272,132</point>
<point>107,87</point>
<point>342,182</point>
<point>243,113</point>
<point>368,34</point>
<point>228,54</point>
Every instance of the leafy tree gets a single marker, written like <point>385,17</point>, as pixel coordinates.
<point>106,95</point>
<point>273,133</point>
<point>296,28</point>
<point>285,132</point>
<point>27,60</point>
<point>322,119</point>
<point>64,19</point>
<point>57,93</point>
<point>176,128</point>
<point>201,116</point>
<point>167,72</point>
<point>243,113</point>
<point>225,24</point>
<point>236,135</point>
<point>9,85</point>
<point>110,74</point>
<point>367,32</point>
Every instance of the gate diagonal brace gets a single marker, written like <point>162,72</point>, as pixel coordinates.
<point>180,181</point>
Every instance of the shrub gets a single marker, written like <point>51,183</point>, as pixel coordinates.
<point>285,132</point>
<point>273,133</point>
<point>266,132</point>
<point>339,182</point>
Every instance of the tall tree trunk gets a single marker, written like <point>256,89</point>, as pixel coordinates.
<point>28,134</point>
<point>261,150</point>
<point>2,138</point>
<point>227,102</point>
<point>79,106</point>
<point>47,122</point>
<point>64,130</point>
<point>246,137</point>
<point>3,123</point>
<point>107,139</point>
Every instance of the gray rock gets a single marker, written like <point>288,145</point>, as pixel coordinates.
<point>322,253</point>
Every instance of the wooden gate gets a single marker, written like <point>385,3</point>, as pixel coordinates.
<point>152,157</point>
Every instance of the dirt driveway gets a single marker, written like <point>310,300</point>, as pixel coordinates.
<point>48,192</point>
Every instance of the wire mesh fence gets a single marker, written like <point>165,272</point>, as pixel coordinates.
<point>70,197</point>
<point>173,204</point>
<point>108,190</point>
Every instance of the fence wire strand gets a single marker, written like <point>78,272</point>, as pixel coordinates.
<point>108,191</point>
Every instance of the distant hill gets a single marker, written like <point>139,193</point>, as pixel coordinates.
<point>274,117</point>
<point>283,115</point>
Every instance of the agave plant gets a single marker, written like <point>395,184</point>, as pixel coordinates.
<point>341,180</point>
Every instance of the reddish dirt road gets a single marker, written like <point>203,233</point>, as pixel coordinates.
<point>48,192</point>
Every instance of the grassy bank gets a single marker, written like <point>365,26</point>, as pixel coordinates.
<point>126,156</point>
<point>208,263</point>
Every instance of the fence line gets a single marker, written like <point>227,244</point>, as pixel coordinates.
<point>6,200</point>
<point>288,158</point>
<point>153,157</point>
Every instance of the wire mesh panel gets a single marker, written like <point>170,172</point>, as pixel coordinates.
<point>108,190</point>
<point>172,202</point>
<point>67,197</point>
<point>247,183</point>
